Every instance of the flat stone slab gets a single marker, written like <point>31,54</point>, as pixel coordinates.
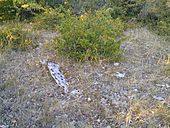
<point>57,75</point>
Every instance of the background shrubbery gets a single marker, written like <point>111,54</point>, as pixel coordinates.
<point>7,10</point>
<point>67,14</point>
<point>19,9</point>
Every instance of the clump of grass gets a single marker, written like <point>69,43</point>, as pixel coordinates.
<point>13,36</point>
<point>163,113</point>
<point>143,112</point>
<point>90,36</point>
<point>167,65</point>
<point>167,69</point>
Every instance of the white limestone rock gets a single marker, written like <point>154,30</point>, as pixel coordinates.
<point>120,74</point>
<point>57,75</point>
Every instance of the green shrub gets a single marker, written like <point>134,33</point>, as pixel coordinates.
<point>54,3</point>
<point>47,20</point>
<point>12,36</point>
<point>7,10</point>
<point>163,27</point>
<point>126,9</point>
<point>156,15</point>
<point>19,9</point>
<point>90,36</point>
<point>27,10</point>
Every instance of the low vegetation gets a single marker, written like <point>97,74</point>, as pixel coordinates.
<point>13,36</point>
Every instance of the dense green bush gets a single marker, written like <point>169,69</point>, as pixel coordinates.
<point>27,10</point>
<point>90,36</point>
<point>12,36</point>
<point>156,14</point>
<point>126,8</point>
<point>7,10</point>
<point>162,27</point>
<point>47,20</point>
<point>19,9</point>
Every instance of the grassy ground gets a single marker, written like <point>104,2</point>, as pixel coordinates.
<point>30,98</point>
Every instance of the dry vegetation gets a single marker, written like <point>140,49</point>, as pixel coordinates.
<point>30,98</point>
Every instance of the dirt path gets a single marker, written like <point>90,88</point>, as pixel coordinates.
<point>29,97</point>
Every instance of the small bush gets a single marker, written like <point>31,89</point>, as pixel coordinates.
<point>12,36</point>
<point>90,36</point>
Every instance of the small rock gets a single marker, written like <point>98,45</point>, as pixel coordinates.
<point>4,126</point>
<point>167,85</point>
<point>168,105</point>
<point>103,68</point>
<point>103,101</point>
<point>163,85</point>
<point>89,99</point>
<point>108,126</point>
<point>159,98</point>
<point>75,92</point>
<point>123,126</point>
<point>120,74</point>
<point>116,64</point>
<point>98,120</point>
<point>135,89</point>
<point>43,62</point>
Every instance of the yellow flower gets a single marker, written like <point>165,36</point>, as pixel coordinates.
<point>25,6</point>
<point>83,17</point>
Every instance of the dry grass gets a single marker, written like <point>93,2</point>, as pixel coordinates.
<point>34,100</point>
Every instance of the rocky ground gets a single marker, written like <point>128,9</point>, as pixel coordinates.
<point>134,93</point>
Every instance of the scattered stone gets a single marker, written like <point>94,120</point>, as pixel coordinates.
<point>160,98</point>
<point>98,120</point>
<point>167,85</point>
<point>89,99</point>
<point>163,85</point>
<point>123,126</point>
<point>160,85</point>
<point>116,64</point>
<point>103,68</point>
<point>75,92</point>
<point>43,62</point>
<point>4,126</point>
<point>168,105</point>
<point>120,74</point>
<point>108,126</point>
<point>136,90</point>
<point>57,75</point>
